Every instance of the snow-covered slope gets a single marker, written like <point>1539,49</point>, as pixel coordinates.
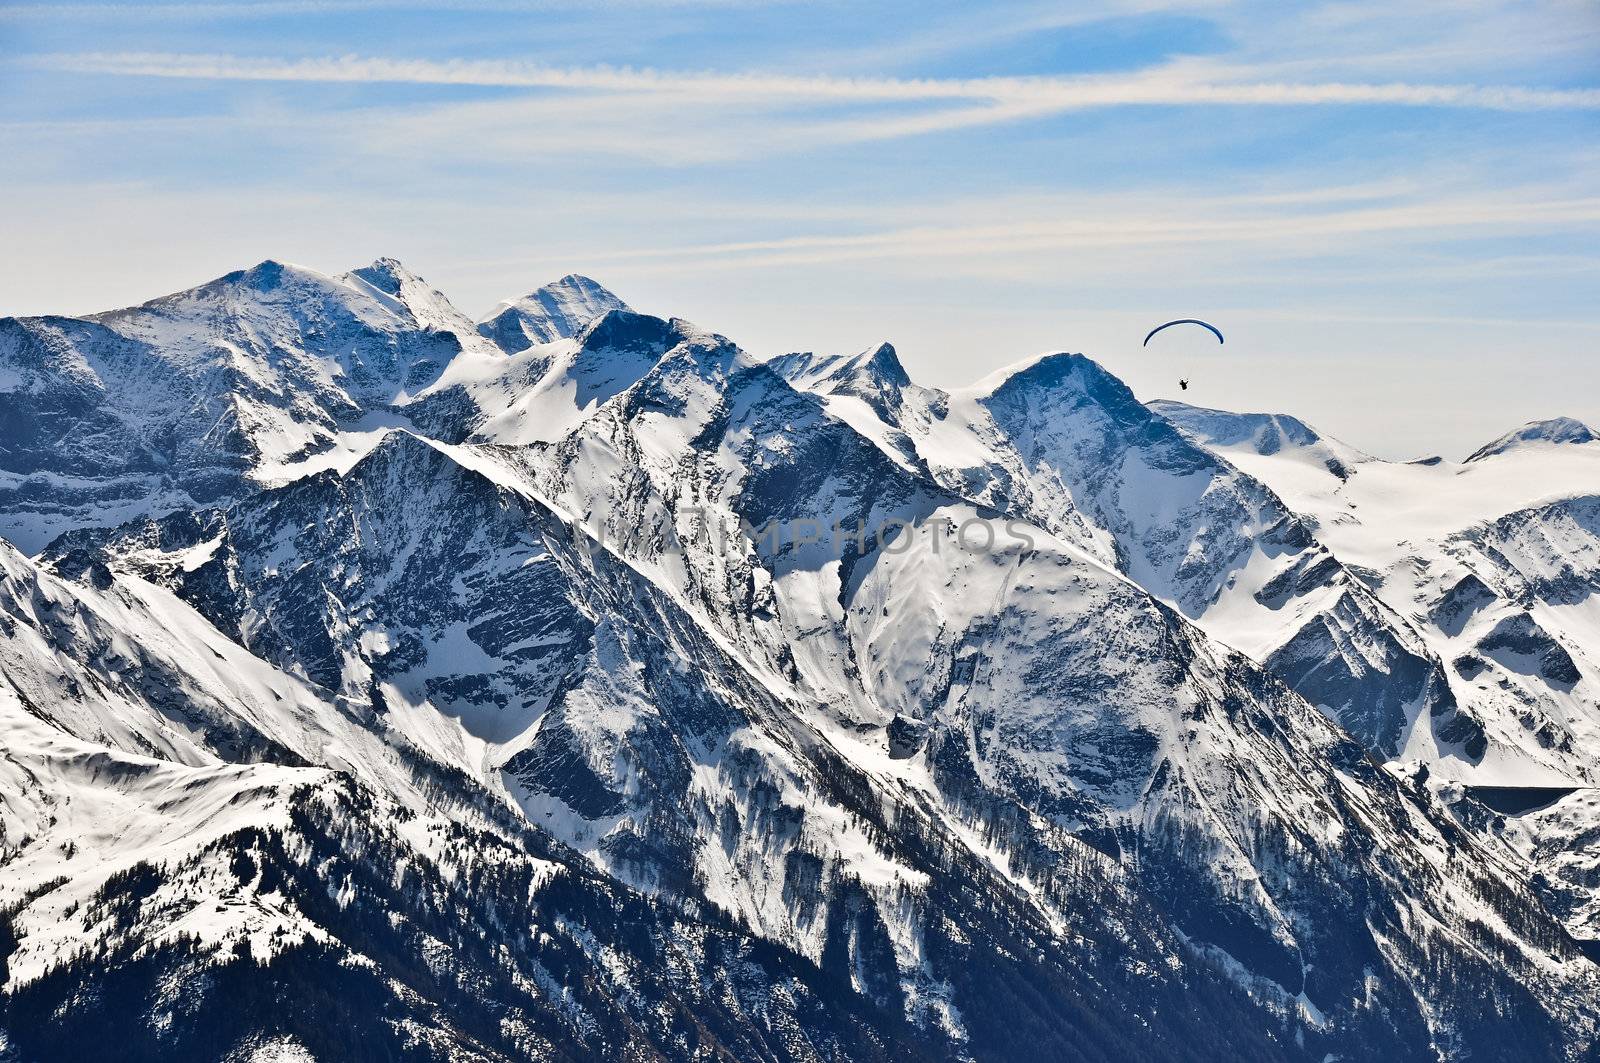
<point>260,911</point>
<point>1496,561</point>
<point>619,695</point>
<point>665,718</point>
<point>540,393</point>
<point>1060,442</point>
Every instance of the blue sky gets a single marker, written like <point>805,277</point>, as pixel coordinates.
<point>1392,210</point>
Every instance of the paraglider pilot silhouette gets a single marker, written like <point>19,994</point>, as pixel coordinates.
<point>1183,383</point>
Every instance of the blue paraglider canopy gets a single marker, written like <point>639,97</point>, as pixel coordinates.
<point>1184,321</point>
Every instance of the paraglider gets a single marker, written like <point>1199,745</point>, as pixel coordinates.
<point>1184,384</point>
<point>1184,321</point>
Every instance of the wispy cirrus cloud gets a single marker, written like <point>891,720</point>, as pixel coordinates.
<point>1004,98</point>
<point>1108,225</point>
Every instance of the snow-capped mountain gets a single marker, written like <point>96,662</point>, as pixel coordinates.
<point>572,685</point>
<point>196,397</point>
<point>1557,430</point>
<point>557,311</point>
<point>1497,562</point>
<point>1062,443</point>
<point>1493,560</point>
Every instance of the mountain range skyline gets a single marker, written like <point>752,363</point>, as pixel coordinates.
<point>590,294</point>
<point>1391,211</point>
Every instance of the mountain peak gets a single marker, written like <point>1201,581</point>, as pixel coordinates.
<point>578,282</point>
<point>871,370</point>
<point>385,274</point>
<point>402,290</point>
<point>1061,371</point>
<point>264,276</point>
<point>558,310</point>
<point>284,282</point>
<point>1043,369</point>
<point>273,281</point>
<point>620,329</point>
<point>1555,430</point>
<point>884,364</point>
<point>1265,433</point>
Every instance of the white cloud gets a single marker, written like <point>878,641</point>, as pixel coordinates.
<point>1174,84</point>
<point>1099,224</point>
